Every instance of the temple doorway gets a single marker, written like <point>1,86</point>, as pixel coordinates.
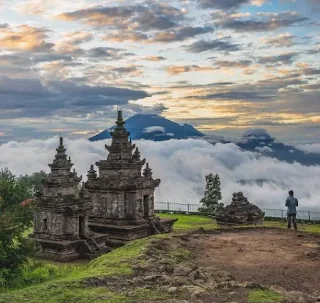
<point>146,206</point>
<point>82,227</point>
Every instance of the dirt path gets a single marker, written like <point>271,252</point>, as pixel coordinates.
<point>268,257</point>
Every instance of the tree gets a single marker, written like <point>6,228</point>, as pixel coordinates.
<point>15,219</point>
<point>212,195</point>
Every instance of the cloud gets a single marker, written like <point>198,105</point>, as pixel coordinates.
<point>221,4</point>
<point>233,64</point>
<point>313,148</point>
<point>238,95</point>
<point>175,70</point>
<point>178,34</point>
<point>46,8</point>
<point>263,22</point>
<point>25,38</point>
<point>284,58</point>
<point>212,45</point>
<point>153,58</point>
<point>31,98</point>
<point>264,149</point>
<point>183,181</point>
<point>282,40</point>
<point>181,34</point>
<point>258,2</point>
<point>138,17</point>
<point>153,129</point>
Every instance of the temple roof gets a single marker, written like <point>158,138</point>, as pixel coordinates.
<point>61,169</point>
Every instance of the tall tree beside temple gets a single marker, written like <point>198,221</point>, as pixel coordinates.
<point>212,195</point>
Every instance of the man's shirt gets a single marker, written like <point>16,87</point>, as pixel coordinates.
<point>291,204</point>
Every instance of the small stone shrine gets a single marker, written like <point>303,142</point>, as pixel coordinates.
<point>123,196</point>
<point>239,212</point>
<point>62,212</point>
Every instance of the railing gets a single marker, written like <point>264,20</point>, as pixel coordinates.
<point>269,213</point>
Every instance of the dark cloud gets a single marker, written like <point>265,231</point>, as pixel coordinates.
<point>311,71</point>
<point>145,17</point>
<point>252,96</point>
<point>30,98</point>
<point>212,45</point>
<point>268,90</point>
<point>181,34</point>
<point>178,34</point>
<point>107,53</point>
<point>264,22</point>
<point>221,4</point>
<point>186,84</point>
<point>233,64</point>
<point>282,58</point>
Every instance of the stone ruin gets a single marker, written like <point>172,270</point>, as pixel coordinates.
<point>239,212</point>
<point>116,206</point>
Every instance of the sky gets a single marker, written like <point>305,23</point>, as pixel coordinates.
<point>224,66</point>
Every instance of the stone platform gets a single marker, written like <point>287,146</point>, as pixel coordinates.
<point>124,233</point>
<point>69,250</point>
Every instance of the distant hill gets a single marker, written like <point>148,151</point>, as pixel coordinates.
<point>258,140</point>
<point>153,127</point>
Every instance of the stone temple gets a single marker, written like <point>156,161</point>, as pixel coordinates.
<point>123,195</point>
<point>111,208</point>
<point>61,220</point>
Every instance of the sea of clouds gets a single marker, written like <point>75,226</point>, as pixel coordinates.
<point>182,166</point>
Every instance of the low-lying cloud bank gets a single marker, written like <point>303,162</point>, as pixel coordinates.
<point>310,148</point>
<point>182,166</point>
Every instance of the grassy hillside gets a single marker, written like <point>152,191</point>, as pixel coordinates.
<point>66,283</point>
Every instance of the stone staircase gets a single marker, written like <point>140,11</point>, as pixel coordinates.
<point>158,227</point>
<point>89,248</point>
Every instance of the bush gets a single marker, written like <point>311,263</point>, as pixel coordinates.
<point>15,220</point>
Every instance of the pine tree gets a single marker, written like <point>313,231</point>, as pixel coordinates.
<point>212,195</point>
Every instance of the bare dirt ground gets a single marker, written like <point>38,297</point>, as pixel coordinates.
<point>224,266</point>
<point>282,258</point>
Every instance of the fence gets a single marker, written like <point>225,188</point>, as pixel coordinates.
<point>269,213</point>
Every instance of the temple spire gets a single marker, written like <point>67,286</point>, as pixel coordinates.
<point>147,171</point>
<point>120,122</point>
<point>92,174</point>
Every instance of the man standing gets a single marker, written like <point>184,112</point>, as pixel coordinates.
<point>291,204</point>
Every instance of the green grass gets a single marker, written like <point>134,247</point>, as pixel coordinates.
<point>186,222</point>
<point>189,222</point>
<point>264,296</point>
<point>53,282</point>
<point>68,284</point>
<point>313,228</point>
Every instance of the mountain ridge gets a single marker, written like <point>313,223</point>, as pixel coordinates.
<point>152,127</point>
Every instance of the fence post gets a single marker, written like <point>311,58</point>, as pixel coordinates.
<point>309,213</point>
<point>281,213</point>
<point>188,208</point>
<point>168,206</point>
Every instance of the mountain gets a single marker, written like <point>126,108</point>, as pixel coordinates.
<point>153,127</point>
<point>258,140</point>
<point>157,128</point>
